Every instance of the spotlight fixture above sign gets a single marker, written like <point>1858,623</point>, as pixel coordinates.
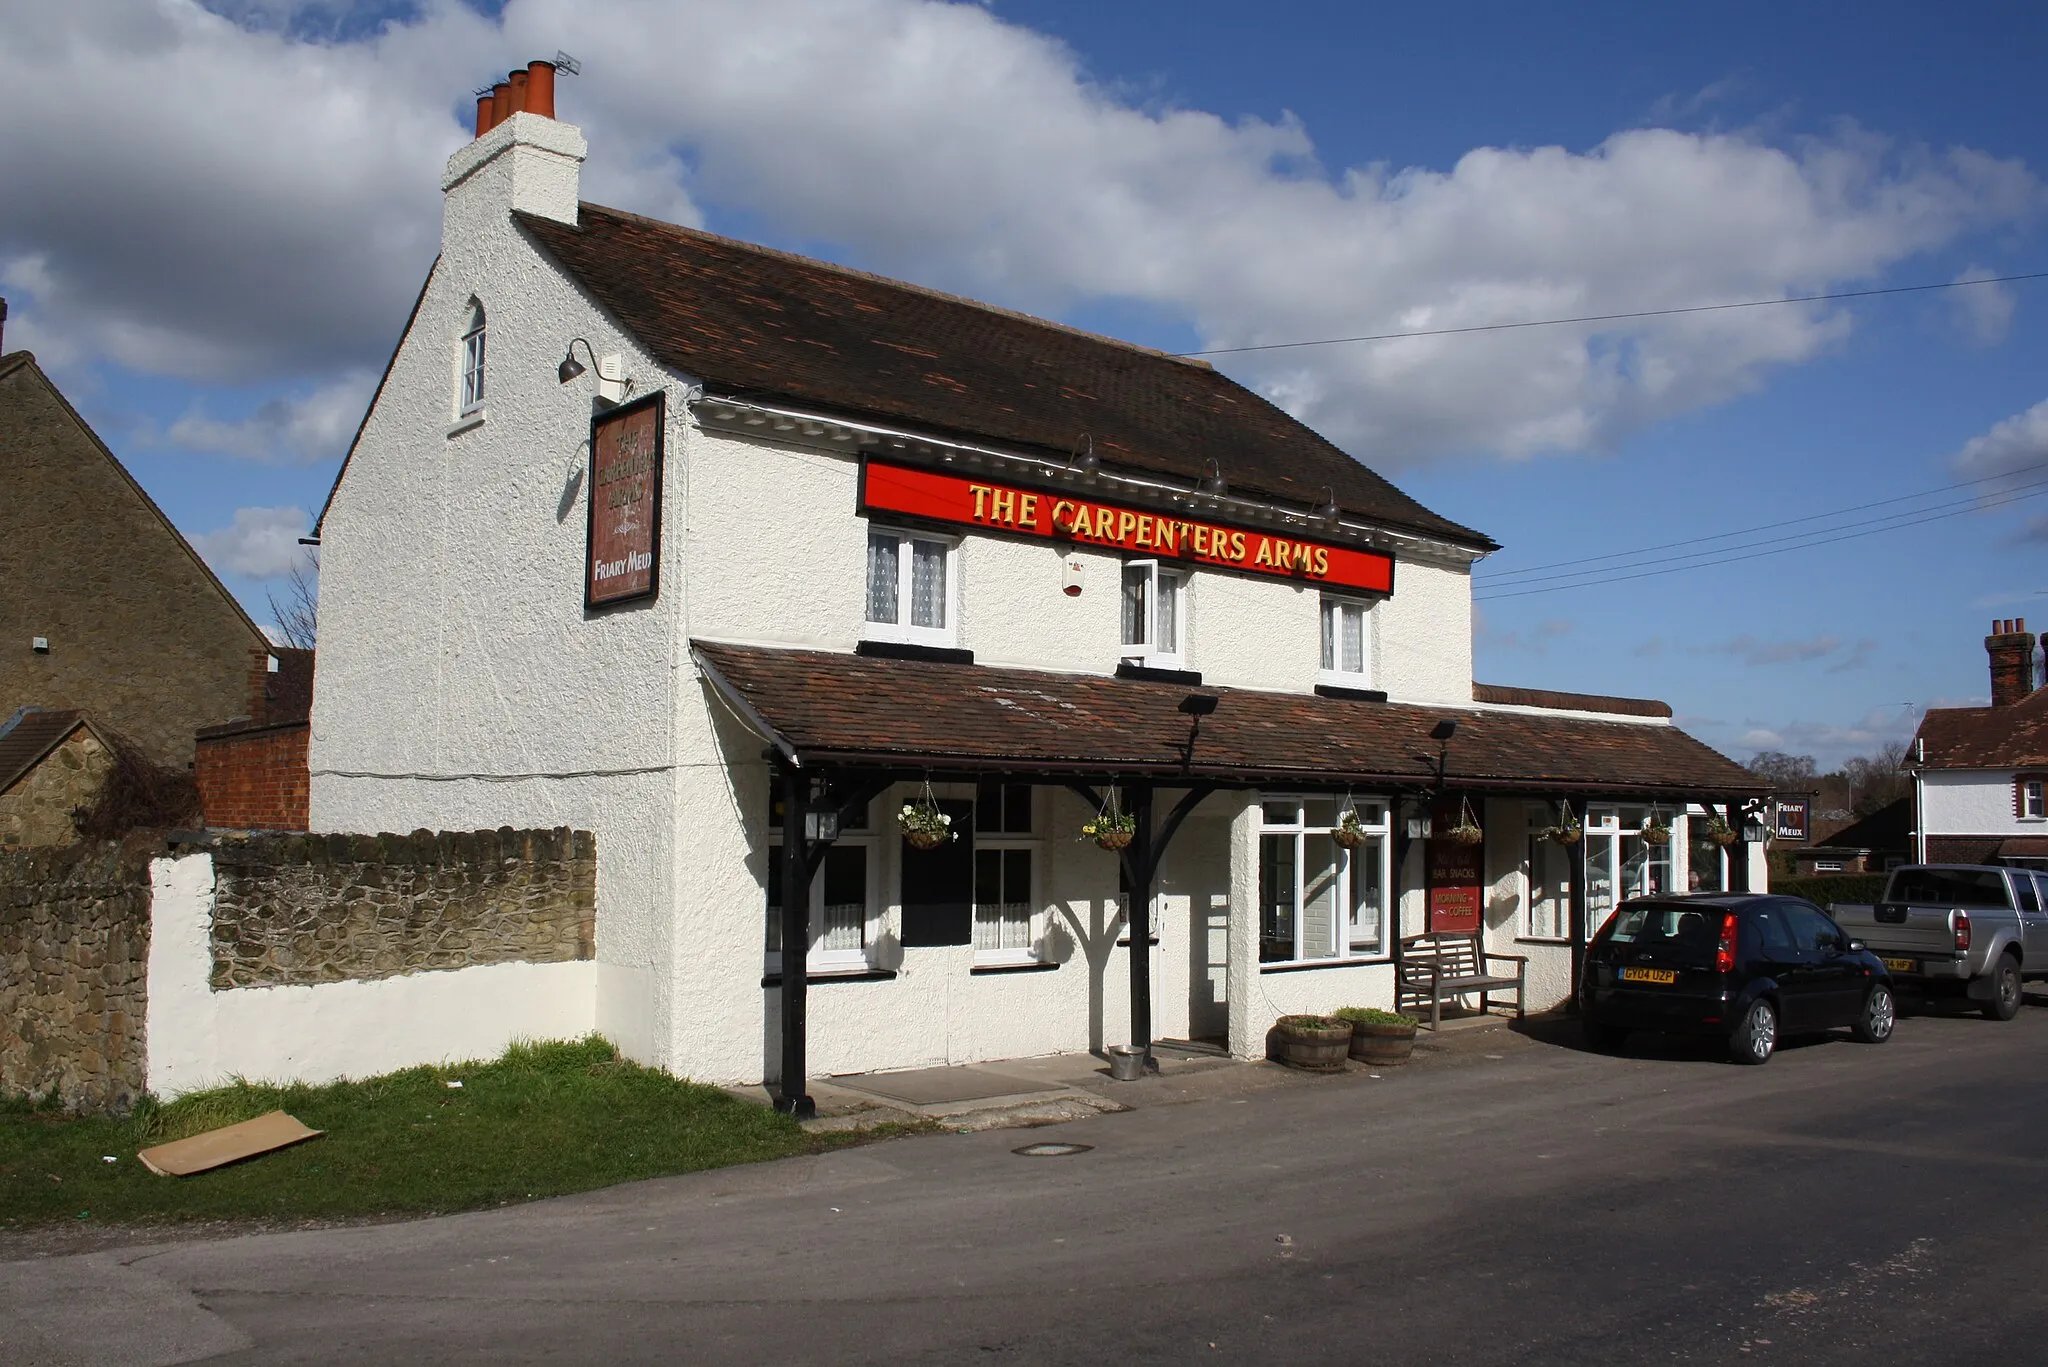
<point>612,384</point>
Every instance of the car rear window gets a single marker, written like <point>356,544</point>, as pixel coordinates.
<point>1948,888</point>
<point>1647,923</point>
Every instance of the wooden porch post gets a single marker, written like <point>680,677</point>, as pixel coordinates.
<point>1581,865</point>
<point>791,1098</point>
<point>1142,873</point>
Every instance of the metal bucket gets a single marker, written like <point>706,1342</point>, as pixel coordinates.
<point>1126,1064</point>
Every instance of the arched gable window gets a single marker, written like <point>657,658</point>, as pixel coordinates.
<point>473,359</point>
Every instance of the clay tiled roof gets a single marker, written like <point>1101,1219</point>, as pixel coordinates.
<point>31,734</point>
<point>2011,737</point>
<point>1890,827</point>
<point>755,323</point>
<point>857,709</point>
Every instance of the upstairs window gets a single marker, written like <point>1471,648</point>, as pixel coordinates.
<point>473,359</point>
<point>910,588</point>
<point>2030,797</point>
<point>1347,642</point>
<point>1153,599</point>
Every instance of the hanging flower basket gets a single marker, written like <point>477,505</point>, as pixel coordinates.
<point>1656,832</point>
<point>1567,831</point>
<point>1113,828</point>
<point>1467,831</point>
<point>1719,831</point>
<point>1349,833</point>
<point>924,826</point>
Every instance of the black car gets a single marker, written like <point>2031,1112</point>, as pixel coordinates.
<point>1747,967</point>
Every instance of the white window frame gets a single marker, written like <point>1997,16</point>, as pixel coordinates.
<point>1151,652</point>
<point>901,630</point>
<point>1345,907</point>
<point>2033,799</point>
<point>1335,674</point>
<point>1605,831</point>
<point>473,359</point>
<point>1032,841</point>
<point>826,962</point>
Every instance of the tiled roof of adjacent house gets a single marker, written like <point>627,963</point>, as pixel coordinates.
<point>29,735</point>
<point>852,709</point>
<point>1890,827</point>
<point>756,323</point>
<point>2011,737</point>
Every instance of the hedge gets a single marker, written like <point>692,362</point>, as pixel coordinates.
<point>1823,888</point>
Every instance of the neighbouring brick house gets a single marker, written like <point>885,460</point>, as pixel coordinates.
<point>103,605</point>
<point>251,771</point>
<point>51,764</point>
<point>1980,774</point>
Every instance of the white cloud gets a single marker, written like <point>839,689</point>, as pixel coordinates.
<point>1752,651</point>
<point>1537,640</point>
<point>261,543</point>
<point>2016,444</point>
<point>302,429</point>
<point>1983,312</point>
<point>1831,743</point>
<point>277,215</point>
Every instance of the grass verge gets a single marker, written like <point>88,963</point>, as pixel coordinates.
<point>544,1120</point>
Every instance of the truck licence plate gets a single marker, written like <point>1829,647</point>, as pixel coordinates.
<point>1903,965</point>
<point>1649,975</point>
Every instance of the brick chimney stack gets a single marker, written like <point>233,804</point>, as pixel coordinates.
<point>2011,647</point>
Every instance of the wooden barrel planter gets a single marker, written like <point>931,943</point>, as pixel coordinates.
<point>1316,1044</point>
<point>1382,1045</point>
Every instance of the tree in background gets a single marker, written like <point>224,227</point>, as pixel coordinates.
<point>1786,771</point>
<point>298,614</point>
<point>1877,781</point>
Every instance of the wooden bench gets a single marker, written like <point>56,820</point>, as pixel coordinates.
<point>1441,967</point>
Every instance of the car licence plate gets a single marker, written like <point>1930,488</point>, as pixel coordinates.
<point>1649,975</point>
<point>1903,965</point>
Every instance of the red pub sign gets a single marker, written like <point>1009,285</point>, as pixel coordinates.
<point>624,558</point>
<point>939,496</point>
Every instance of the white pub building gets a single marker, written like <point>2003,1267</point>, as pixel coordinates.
<point>730,556</point>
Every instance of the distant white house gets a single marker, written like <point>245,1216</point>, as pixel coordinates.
<point>1980,774</point>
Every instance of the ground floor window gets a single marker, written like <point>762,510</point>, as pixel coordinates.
<point>1620,863</point>
<point>842,896</point>
<point>1549,871</point>
<point>839,908</point>
<point>1318,899</point>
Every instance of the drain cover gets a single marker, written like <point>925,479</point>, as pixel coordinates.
<point>1051,1150</point>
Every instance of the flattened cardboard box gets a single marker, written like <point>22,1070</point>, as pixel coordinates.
<point>225,1145</point>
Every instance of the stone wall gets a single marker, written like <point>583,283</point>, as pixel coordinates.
<point>74,949</point>
<point>253,777</point>
<point>306,909</point>
<point>37,809</point>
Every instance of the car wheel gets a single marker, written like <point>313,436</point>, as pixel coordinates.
<point>1757,1036</point>
<point>1880,1013</point>
<point>1605,1038</point>
<point>2005,990</point>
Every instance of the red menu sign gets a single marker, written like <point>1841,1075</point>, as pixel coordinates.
<point>1063,515</point>
<point>624,558</point>
<point>1454,878</point>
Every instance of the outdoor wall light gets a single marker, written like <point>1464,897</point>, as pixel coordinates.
<point>1215,483</point>
<point>1198,704</point>
<point>1443,731</point>
<point>611,385</point>
<point>1328,510</point>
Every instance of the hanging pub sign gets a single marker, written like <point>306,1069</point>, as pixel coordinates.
<point>940,496</point>
<point>624,557</point>
<point>1454,896</point>
<point>1792,822</point>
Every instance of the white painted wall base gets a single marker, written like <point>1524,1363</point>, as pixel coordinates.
<point>199,1038</point>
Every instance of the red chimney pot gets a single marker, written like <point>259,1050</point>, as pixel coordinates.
<point>540,89</point>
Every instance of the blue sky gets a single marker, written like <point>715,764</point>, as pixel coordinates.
<point>217,289</point>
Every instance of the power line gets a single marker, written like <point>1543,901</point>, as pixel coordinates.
<point>1529,575</point>
<point>1620,317</point>
<point>1601,579</point>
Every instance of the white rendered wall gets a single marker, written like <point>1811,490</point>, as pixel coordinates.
<point>461,684</point>
<point>1971,802</point>
<point>199,1038</point>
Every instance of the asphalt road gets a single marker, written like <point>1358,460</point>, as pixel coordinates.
<point>1525,1202</point>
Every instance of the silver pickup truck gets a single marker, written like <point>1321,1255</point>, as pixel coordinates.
<point>1968,929</point>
